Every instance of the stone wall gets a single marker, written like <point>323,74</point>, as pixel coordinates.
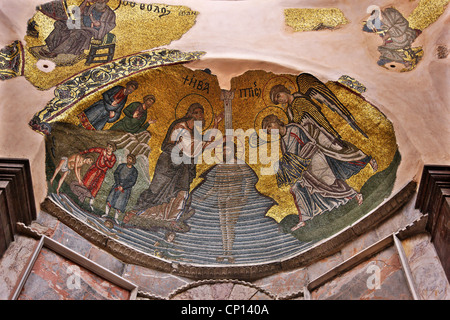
<point>367,268</point>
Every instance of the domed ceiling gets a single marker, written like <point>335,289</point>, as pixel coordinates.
<point>222,160</point>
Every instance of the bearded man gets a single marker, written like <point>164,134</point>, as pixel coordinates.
<point>166,198</point>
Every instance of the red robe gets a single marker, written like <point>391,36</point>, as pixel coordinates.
<point>94,177</point>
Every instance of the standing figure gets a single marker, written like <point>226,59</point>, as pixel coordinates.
<point>74,162</point>
<point>108,109</point>
<point>125,178</point>
<point>316,167</point>
<point>136,116</point>
<point>166,198</point>
<point>97,19</point>
<point>300,104</point>
<point>231,181</point>
<point>93,179</point>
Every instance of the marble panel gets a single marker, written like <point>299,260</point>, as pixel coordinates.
<point>379,278</point>
<point>153,281</point>
<point>429,276</point>
<point>53,277</point>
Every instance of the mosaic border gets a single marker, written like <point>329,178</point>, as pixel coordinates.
<point>73,89</point>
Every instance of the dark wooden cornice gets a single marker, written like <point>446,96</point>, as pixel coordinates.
<point>17,203</point>
<point>433,198</point>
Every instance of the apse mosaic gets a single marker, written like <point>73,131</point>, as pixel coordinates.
<point>169,163</point>
<point>155,154</point>
<point>399,33</point>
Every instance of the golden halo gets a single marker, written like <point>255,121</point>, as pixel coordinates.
<point>114,4</point>
<point>183,105</point>
<point>278,111</point>
<point>283,80</point>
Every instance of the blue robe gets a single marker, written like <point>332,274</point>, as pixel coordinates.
<point>126,178</point>
<point>98,113</point>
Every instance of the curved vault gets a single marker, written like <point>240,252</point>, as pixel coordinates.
<point>250,238</point>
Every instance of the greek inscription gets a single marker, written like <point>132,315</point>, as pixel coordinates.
<point>195,83</point>
<point>250,92</point>
<point>162,11</point>
<point>187,13</point>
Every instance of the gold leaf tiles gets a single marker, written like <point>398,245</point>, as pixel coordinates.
<point>312,19</point>
<point>63,34</point>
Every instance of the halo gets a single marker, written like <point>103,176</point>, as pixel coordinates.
<point>284,80</point>
<point>278,111</point>
<point>183,105</point>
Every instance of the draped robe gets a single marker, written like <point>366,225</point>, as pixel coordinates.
<point>316,168</point>
<point>166,198</point>
<point>93,179</point>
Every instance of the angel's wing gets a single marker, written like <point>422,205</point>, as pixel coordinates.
<point>306,107</point>
<point>316,89</point>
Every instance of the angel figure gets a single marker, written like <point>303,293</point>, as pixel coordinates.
<point>315,167</point>
<point>300,104</point>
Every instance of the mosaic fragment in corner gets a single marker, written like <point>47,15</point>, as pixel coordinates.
<point>400,35</point>
<point>11,61</point>
<point>62,39</point>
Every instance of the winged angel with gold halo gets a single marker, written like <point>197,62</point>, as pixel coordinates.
<point>315,161</point>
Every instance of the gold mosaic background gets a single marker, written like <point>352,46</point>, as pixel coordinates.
<point>426,12</point>
<point>173,94</point>
<point>136,30</point>
<point>173,88</point>
<point>314,19</point>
